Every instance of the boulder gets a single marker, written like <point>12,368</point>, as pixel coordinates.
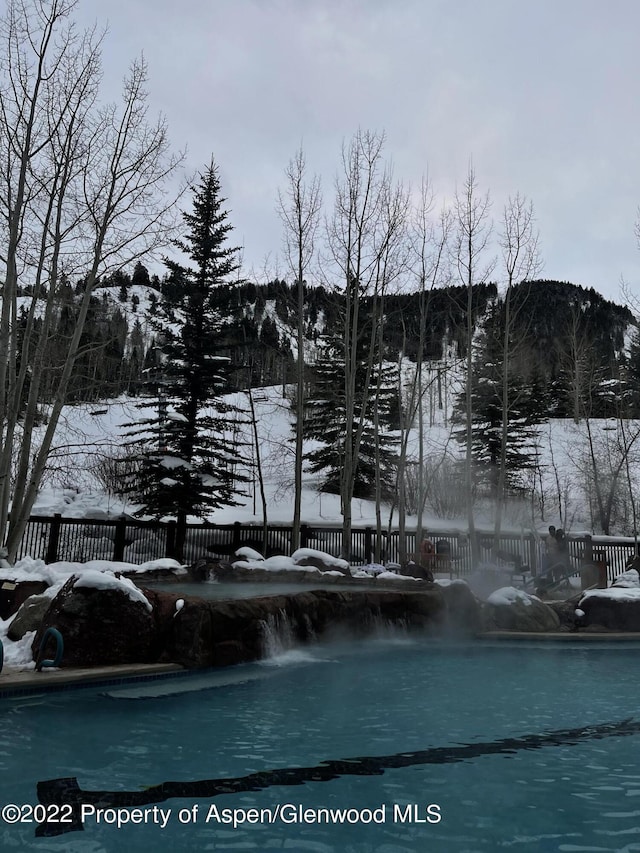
<point>99,627</point>
<point>510,609</point>
<point>566,612</point>
<point>464,614</point>
<point>415,570</point>
<point>320,560</point>
<point>616,609</point>
<point>186,636</point>
<point>29,617</point>
<point>14,593</point>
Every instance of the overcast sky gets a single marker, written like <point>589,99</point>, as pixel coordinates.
<point>543,97</point>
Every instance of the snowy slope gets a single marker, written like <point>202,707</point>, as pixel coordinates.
<point>88,433</point>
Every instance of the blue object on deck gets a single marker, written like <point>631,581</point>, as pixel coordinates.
<point>50,632</point>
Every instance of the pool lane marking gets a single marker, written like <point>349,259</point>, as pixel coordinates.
<point>67,791</point>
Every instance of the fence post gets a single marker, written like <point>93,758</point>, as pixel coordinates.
<point>588,549</point>
<point>170,547</point>
<point>304,535</point>
<point>236,536</point>
<point>533,551</point>
<point>368,550</point>
<point>119,538</point>
<point>54,538</point>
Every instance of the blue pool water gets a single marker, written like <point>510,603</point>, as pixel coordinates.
<point>519,745</point>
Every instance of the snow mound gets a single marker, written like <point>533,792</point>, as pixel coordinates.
<point>94,579</point>
<point>28,569</point>
<point>392,576</point>
<point>615,593</point>
<point>373,569</point>
<point>279,563</point>
<point>509,595</point>
<point>17,653</point>
<point>629,579</point>
<point>321,557</point>
<point>249,554</point>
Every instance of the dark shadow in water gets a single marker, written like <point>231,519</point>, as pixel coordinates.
<point>67,790</point>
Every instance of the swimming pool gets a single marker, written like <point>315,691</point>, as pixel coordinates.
<point>520,746</point>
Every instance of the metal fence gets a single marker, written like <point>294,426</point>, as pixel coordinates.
<point>53,538</point>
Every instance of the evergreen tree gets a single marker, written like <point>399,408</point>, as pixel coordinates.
<point>487,411</point>
<point>140,275</point>
<point>325,422</point>
<point>189,462</point>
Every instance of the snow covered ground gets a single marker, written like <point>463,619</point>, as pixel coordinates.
<point>88,434</point>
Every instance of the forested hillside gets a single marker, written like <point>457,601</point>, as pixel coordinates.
<point>569,344</point>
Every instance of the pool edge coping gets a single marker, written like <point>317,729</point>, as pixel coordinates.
<point>562,636</point>
<point>18,683</point>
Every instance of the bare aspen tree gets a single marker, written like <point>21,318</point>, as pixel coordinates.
<point>473,232</point>
<point>628,433</point>
<point>429,242</point>
<point>83,194</point>
<point>575,352</point>
<point>520,261</point>
<point>607,460</point>
<point>391,265</point>
<point>259,471</point>
<point>299,210</point>
<point>358,236</point>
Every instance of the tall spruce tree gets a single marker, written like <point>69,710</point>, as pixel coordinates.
<point>325,422</point>
<point>487,411</point>
<point>189,458</point>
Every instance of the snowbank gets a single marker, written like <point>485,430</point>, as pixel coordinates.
<point>320,556</point>
<point>279,563</point>
<point>28,569</point>
<point>614,593</point>
<point>509,595</point>
<point>17,654</point>
<point>249,554</point>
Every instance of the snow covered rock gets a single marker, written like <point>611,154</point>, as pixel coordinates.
<point>320,560</point>
<point>629,579</point>
<point>510,609</point>
<point>616,608</point>
<point>463,608</point>
<point>103,620</point>
<point>249,554</point>
<point>29,617</point>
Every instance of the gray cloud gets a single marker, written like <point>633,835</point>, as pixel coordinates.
<point>540,95</point>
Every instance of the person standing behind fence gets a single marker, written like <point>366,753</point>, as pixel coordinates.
<point>427,553</point>
<point>561,566</point>
<point>551,550</point>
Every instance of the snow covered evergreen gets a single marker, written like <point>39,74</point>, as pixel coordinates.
<point>189,457</point>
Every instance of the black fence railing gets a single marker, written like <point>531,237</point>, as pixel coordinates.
<point>53,538</point>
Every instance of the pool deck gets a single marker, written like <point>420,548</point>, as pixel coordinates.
<point>14,682</point>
